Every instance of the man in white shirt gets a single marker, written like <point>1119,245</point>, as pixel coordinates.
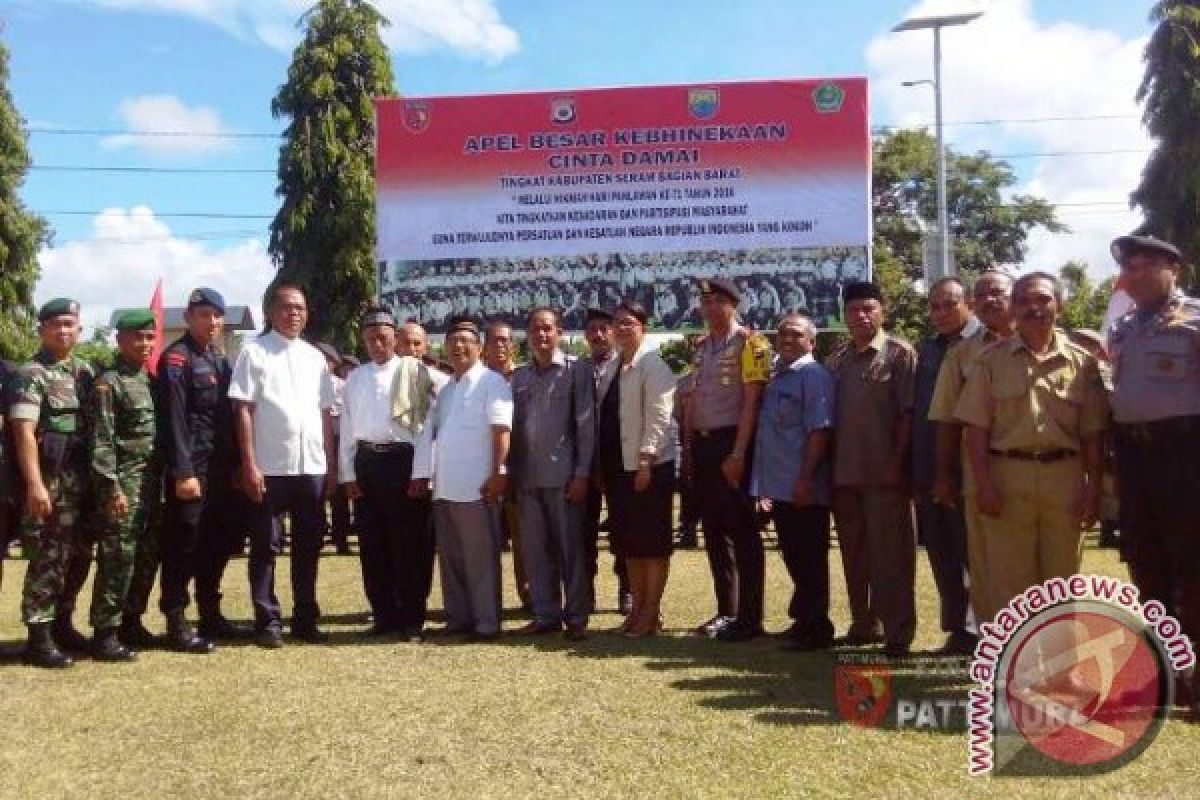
<point>375,459</point>
<point>463,450</point>
<point>282,394</point>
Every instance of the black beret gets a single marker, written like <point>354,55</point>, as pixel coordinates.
<point>721,286</point>
<point>207,297</point>
<point>1125,246</point>
<point>861,290</point>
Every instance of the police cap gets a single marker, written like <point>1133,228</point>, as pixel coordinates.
<point>721,286</point>
<point>207,297</point>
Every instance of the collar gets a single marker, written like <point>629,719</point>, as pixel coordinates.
<point>795,366</point>
<point>472,374</point>
<point>282,340</point>
<point>877,343</point>
<point>47,358</point>
<point>640,354</point>
<point>972,327</point>
<point>126,367</point>
<point>1057,344</point>
<point>391,362</point>
<point>558,359</point>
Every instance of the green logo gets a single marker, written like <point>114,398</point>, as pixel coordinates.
<point>828,98</point>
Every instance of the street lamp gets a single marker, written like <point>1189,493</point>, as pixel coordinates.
<point>937,23</point>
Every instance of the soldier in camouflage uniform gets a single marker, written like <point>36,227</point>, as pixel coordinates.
<point>124,475</point>
<point>50,430</point>
<point>146,560</point>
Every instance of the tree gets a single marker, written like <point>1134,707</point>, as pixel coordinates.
<point>323,237</point>
<point>1169,193</point>
<point>987,230</point>
<point>1085,304</point>
<point>98,350</point>
<point>22,233</point>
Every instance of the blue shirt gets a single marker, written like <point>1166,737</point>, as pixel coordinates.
<point>798,400</point>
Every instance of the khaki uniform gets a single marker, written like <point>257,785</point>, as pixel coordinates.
<point>1037,411</point>
<point>874,521</point>
<point>956,368</point>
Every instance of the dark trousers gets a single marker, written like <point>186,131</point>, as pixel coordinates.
<point>731,536</point>
<point>689,513</point>
<point>395,538</point>
<point>591,544</point>
<point>195,545</point>
<point>299,496</point>
<point>339,524</point>
<point>944,533</point>
<point>1158,471</point>
<point>804,543</point>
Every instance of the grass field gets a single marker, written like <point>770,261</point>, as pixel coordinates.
<point>675,716</point>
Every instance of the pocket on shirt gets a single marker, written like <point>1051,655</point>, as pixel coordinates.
<point>1169,360</point>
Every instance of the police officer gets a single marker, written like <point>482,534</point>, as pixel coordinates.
<point>732,366</point>
<point>47,415</point>
<point>1036,412</point>
<point>1156,407</point>
<point>196,430</point>
<point>124,476</point>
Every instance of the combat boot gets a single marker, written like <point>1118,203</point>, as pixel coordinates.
<point>42,651</point>
<point>68,637</point>
<point>107,647</point>
<point>182,638</point>
<point>133,634</point>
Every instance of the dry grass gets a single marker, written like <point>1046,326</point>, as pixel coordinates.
<point>672,717</point>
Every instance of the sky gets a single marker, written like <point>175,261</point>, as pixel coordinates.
<point>1048,84</point>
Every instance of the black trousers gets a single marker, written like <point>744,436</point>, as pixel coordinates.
<point>395,538</point>
<point>731,535</point>
<point>196,543</point>
<point>1158,471</point>
<point>943,530</point>
<point>804,543</point>
<point>300,497</point>
<point>591,543</point>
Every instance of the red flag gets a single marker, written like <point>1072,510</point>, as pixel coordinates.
<point>156,306</point>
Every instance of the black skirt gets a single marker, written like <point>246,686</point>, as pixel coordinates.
<point>641,522</point>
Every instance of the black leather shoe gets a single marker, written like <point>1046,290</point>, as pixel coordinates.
<point>538,628</point>
<point>959,643</point>
<point>133,634</point>
<point>269,638</point>
<point>855,639</point>
<point>895,650</point>
<point>218,628</point>
<point>625,602</point>
<point>309,634</point>
<point>575,633</point>
<point>713,626</point>
<point>413,634</point>
<point>476,637</point>
<point>739,632</point>
<point>808,644</point>
<point>182,638</point>
<point>42,650</point>
<point>68,638</point>
<point>107,647</point>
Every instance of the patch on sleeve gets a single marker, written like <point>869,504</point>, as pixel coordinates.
<point>756,359</point>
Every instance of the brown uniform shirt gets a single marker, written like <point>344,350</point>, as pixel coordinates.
<point>874,392</point>
<point>956,367</point>
<point>1033,403</point>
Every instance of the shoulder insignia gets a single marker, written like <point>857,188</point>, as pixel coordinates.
<point>176,359</point>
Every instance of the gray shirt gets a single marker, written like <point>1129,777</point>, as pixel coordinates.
<point>553,423</point>
<point>1156,358</point>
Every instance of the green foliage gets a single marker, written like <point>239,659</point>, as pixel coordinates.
<point>99,350</point>
<point>906,307</point>
<point>323,236</point>
<point>1169,193</point>
<point>1086,303</point>
<point>22,233</point>
<point>679,353</point>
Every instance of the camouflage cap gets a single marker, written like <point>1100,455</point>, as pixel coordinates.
<point>58,307</point>
<point>135,320</point>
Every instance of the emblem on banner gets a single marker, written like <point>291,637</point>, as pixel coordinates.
<point>703,103</point>
<point>562,110</point>
<point>828,98</point>
<point>416,115</point>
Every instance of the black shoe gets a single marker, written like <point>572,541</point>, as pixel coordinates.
<point>895,650</point>
<point>133,634</point>
<point>379,629</point>
<point>68,638</point>
<point>808,644</point>
<point>575,633</point>
<point>713,626</point>
<point>413,634</point>
<point>107,647</point>
<point>959,643</point>
<point>450,630</point>
<point>269,638</point>
<point>42,650</point>
<point>219,628</point>
<point>538,628</point>
<point>309,634</point>
<point>475,637</point>
<point>854,639</point>
<point>182,638</point>
<point>739,632</point>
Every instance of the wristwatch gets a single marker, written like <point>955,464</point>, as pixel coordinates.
<point>501,470</point>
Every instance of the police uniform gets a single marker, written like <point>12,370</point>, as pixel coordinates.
<point>723,368</point>
<point>196,419</point>
<point>55,394</point>
<point>1038,412</point>
<point>123,465</point>
<point>1156,408</point>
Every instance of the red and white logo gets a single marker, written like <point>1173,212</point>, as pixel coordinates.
<point>863,693</point>
<point>417,115</point>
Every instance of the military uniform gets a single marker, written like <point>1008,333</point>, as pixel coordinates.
<point>1038,412</point>
<point>722,368</point>
<point>1156,407</point>
<point>123,464</point>
<point>9,485</point>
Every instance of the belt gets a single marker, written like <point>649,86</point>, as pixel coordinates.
<point>383,447</point>
<point>1041,456</point>
<point>705,433</point>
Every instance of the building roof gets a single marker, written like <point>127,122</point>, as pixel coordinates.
<point>237,318</point>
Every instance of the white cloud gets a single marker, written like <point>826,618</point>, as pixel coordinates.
<point>157,114</point>
<point>472,28</point>
<point>1009,65</point>
<point>131,249</point>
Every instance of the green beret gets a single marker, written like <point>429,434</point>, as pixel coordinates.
<point>57,307</point>
<point>135,320</point>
